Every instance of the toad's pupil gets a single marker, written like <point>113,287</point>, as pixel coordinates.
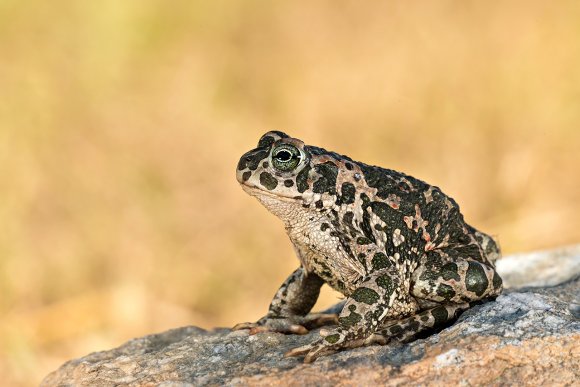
<point>283,155</point>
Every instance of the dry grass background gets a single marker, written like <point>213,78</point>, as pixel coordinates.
<point>121,123</point>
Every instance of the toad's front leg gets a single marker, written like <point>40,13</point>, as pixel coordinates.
<point>379,297</point>
<point>288,312</point>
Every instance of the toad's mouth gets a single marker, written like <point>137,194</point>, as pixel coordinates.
<point>258,192</point>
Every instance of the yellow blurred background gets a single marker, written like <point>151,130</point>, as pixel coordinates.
<point>121,123</point>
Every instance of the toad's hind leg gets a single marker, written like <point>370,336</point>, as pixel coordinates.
<point>407,329</point>
<point>458,281</point>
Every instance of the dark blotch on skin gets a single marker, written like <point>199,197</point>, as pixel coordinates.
<point>377,178</point>
<point>429,275</point>
<point>302,179</point>
<point>288,183</point>
<point>466,251</point>
<point>266,141</point>
<point>351,319</point>
<point>319,204</point>
<point>387,183</point>
<point>252,159</point>
<point>395,329</point>
<point>265,164</point>
<point>380,261</point>
<point>243,162</point>
<point>268,181</point>
<point>413,325</point>
<point>363,241</point>
<point>324,226</point>
<point>347,191</point>
<point>327,180</point>
<point>332,338</point>
<point>246,175</point>
<point>475,279</point>
<point>445,291</point>
<point>365,199</point>
<point>440,315</point>
<point>366,295</point>
<point>348,166</point>
<point>449,271</point>
<point>386,213</point>
<point>366,227</point>
<point>385,282</point>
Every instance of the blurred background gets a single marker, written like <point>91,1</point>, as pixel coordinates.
<point>121,123</point>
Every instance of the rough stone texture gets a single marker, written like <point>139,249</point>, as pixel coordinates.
<point>528,336</point>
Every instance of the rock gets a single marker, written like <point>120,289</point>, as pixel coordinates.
<point>542,268</point>
<point>528,336</point>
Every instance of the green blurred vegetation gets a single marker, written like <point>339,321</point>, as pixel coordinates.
<point>121,123</point>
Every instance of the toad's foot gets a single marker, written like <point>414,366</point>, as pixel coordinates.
<point>313,350</point>
<point>290,325</point>
<point>330,343</point>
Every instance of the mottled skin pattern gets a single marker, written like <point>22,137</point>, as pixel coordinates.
<point>396,247</point>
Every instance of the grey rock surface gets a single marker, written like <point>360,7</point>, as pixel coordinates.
<point>540,268</point>
<point>528,336</point>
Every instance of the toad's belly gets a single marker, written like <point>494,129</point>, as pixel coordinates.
<point>338,270</point>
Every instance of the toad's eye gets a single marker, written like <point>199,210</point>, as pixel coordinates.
<point>285,157</point>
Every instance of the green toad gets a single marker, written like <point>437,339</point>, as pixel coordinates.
<point>396,247</point>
